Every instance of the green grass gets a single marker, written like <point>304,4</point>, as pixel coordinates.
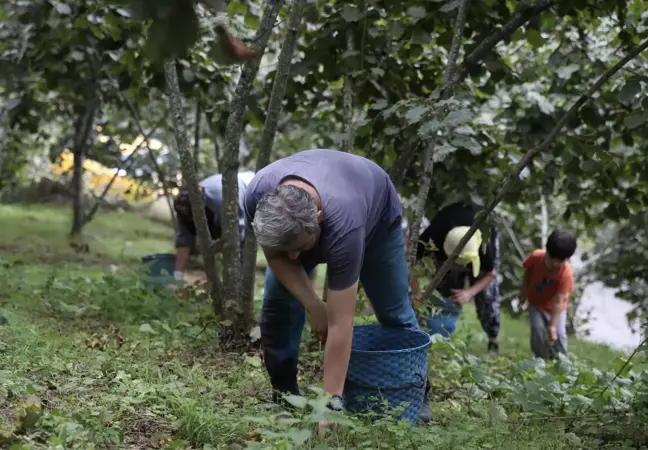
<point>106,362</point>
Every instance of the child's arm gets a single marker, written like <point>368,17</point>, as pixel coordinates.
<point>556,309</point>
<point>523,288</point>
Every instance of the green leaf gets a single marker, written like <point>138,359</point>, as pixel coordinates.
<point>428,128</point>
<point>391,130</point>
<point>566,72</point>
<point>216,5</point>
<point>351,13</point>
<point>254,361</point>
<point>252,21</point>
<point>299,437</point>
<point>63,8</point>
<point>451,5</point>
<point>457,117</point>
<point>441,151</point>
<point>396,30</point>
<point>146,328</point>
<point>255,333</point>
<point>468,143</point>
<point>415,114</point>
<point>379,104</point>
<point>589,166</point>
<point>629,91</point>
<point>535,38</point>
<point>418,12</point>
<point>635,120</point>
<point>297,401</point>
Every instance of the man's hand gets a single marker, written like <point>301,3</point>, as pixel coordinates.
<point>318,319</point>
<point>553,335</point>
<point>461,296</point>
<point>418,300</point>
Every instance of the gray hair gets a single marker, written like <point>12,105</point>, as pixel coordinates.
<point>282,215</point>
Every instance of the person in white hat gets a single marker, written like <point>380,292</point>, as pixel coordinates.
<point>474,274</point>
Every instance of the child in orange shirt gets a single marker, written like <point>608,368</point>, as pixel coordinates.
<point>548,281</point>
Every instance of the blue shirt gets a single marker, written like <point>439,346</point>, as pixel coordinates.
<point>359,205</point>
<point>214,202</point>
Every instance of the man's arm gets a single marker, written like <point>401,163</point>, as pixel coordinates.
<point>341,312</point>
<point>524,286</point>
<point>482,283</point>
<point>294,277</point>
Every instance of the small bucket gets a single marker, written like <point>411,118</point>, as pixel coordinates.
<point>387,364</point>
<point>159,268</point>
<point>441,317</point>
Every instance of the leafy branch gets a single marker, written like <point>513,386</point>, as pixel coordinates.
<point>424,190</point>
<point>526,159</point>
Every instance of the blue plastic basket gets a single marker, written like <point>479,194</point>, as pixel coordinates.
<point>387,364</point>
<point>442,317</point>
<point>159,267</point>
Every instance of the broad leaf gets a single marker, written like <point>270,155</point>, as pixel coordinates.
<point>415,114</point>
<point>379,104</point>
<point>457,117</point>
<point>417,12</point>
<point>635,120</point>
<point>351,13</point>
<point>629,91</point>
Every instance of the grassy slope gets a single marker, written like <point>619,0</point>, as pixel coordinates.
<point>137,371</point>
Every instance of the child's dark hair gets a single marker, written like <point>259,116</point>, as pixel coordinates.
<point>561,245</point>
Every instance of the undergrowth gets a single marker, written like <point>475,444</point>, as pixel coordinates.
<point>92,358</point>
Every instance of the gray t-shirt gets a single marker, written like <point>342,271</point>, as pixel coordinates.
<point>213,185</point>
<point>359,205</point>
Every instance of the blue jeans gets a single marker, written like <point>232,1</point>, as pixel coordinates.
<point>384,278</point>
<point>441,318</point>
<point>539,321</point>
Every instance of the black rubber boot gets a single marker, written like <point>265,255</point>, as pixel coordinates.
<point>493,348</point>
<point>425,415</point>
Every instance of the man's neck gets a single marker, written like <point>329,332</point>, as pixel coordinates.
<point>307,187</point>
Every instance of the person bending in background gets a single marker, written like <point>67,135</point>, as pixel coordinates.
<point>475,266</point>
<point>548,280</point>
<point>326,206</point>
<point>185,235</point>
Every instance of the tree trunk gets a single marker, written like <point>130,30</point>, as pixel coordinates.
<point>347,101</point>
<point>419,209</point>
<point>514,177</point>
<point>81,133</point>
<point>196,154</point>
<point>424,189</point>
<point>191,182</point>
<point>265,148</point>
<point>544,220</point>
<point>230,166</point>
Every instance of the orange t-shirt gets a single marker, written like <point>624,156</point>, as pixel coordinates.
<point>544,284</point>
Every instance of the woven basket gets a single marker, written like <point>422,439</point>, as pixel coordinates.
<point>387,364</point>
<point>159,267</point>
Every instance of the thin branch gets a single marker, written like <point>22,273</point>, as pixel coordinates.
<point>641,344</point>
<point>451,67</point>
<point>526,159</point>
<point>514,239</point>
<point>120,166</point>
<point>138,123</point>
<point>488,43</point>
<point>428,166</point>
<point>347,101</point>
